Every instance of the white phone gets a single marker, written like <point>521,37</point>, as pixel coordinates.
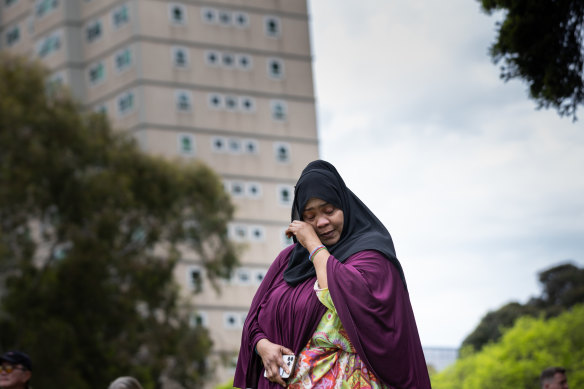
<point>289,361</point>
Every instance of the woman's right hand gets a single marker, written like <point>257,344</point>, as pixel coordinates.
<point>271,354</point>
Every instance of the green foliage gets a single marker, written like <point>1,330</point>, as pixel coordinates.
<point>563,287</point>
<point>527,348</point>
<point>494,323</point>
<point>226,385</point>
<point>541,43</point>
<point>90,231</point>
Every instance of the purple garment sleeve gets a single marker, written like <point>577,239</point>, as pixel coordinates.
<point>375,310</point>
<point>282,314</point>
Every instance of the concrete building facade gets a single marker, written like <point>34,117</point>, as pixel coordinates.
<point>228,82</point>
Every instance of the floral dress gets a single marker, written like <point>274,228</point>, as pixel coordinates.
<point>329,359</point>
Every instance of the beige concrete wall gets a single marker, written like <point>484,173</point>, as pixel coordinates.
<point>155,22</point>
<point>158,65</point>
<point>166,143</point>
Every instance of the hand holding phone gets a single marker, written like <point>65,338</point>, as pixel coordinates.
<point>289,361</point>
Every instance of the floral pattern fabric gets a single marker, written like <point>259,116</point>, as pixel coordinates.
<point>329,360</point>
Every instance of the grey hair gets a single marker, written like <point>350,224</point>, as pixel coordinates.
<point>125,383</point>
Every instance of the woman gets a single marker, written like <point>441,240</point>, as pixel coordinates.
<point>336,299</point>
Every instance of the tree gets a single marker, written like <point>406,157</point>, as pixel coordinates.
<point>562,288</point>
<point>90,231</point>
<point>516,361</point>
<point>494,323</point>
<point>541,43</point>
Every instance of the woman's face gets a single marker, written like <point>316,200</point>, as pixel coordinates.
<point>326,219</point>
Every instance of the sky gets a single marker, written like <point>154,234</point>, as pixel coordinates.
<point>479,189</point>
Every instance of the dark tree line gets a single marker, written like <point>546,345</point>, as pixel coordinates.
<point>562,288</point>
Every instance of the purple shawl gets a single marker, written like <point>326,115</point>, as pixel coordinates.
<point>372,303</point>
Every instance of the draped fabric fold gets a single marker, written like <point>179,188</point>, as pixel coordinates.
<point>282,314</point>
<point>376,313</point>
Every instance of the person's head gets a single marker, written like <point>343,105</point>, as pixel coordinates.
<point>342,222</point>
<point>125,383</point>
<point>321,199</point>
<point>554,378</point>
<point>16,370</point>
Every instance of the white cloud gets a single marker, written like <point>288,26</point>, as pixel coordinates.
<point>479,190</point>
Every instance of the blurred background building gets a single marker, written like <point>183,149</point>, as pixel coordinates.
<point>228,82</point>
<point>440,357</point>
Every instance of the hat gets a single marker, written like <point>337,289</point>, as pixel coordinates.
<point>18,358</point>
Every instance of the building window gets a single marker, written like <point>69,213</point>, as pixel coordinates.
<point>254,190</point>
<point>247,104</point>
<point>93,31</point>
<point>45,6</point>
<point>279,110</point>
<point>55,83</point>
<point>250,146</point>
<point>96,73</point>
<point>209,15</point>
<point>237,188</point>
<point>212,58</point>
<point>12,36</point>
<point>61,250</point>
<point>237,232</point>
<point>228,60</point>
<point>120,16</point>
<point>285,194</point>
<point>125,103</point>
<point>242,276</point>
<point>186,144</point>
<point>231,320</point>
<point>272,26</point>
<point>218,144</point>
<point>234,145</point>
<point>177,13</point>
<point>241,19</point>
<point>282,152</point>
<point>123,59</point>
<point>102,109</point>
<point>180,57</point>
<point>258,276</point>
<point>49,44</point>
<point>257,233</point>
<point>244,61</point>
<point>275,68</point>
<point>195,278</point>
<point>225,18</point>
<point>215,101</point>
<point>231,103</point>
<point>183,100</point>
<point>199,319</point>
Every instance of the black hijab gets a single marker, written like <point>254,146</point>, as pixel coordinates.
<point>361,228</point>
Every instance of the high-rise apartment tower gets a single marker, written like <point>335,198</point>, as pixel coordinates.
<point>228,82</point>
